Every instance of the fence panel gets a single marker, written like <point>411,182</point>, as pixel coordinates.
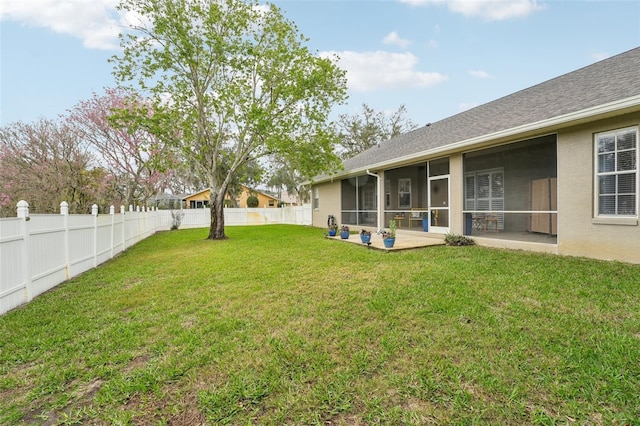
<point>103,238</point>
<point>81,244</point>
<point>13,284</point>
<point>117,234</point>
<point>38,252</point>
<point>47,254</point>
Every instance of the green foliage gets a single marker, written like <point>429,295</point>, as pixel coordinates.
<point>176,219</point>
<point>241,85</point>
<point>252,201</point>
<point>458,240</point>
<point>391,233</point>
<point>361,131</point>
<point>335,334</point>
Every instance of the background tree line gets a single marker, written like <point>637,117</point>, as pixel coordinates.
<point>85,158</point>
<point>210,95</point>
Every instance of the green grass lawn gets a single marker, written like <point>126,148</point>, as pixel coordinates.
<point>278,325</point>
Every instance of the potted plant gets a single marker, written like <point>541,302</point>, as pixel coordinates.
<point>344,232</point>
<point>333,229</point>
<point>365,236</point>
<point>389,237</point>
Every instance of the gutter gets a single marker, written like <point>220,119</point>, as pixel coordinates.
<point>379,198</point>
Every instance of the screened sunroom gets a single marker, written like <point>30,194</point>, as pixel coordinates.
<point>510,191</point>
<point>415,196</point>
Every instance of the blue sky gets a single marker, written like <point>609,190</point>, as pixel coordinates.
<point>436,57</point>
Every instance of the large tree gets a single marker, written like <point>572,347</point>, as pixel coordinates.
<point>46,163</point>
<point>359,132</point>
<point>237,81</point>
<point>137,160</point>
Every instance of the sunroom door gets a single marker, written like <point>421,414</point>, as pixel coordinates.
<point>439,204</point>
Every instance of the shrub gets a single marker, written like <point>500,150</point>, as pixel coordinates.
<point>176,218</point>
<point>458,240</point>
<point>252,201</point>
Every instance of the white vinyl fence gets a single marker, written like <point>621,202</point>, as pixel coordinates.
<point>40,251</point>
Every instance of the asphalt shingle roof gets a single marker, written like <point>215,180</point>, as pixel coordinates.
<point>606,81</point>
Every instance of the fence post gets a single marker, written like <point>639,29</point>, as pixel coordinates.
<point>112,213</point>
<point>94,213</point>
<point>64,211</point>
<point>124,245</point>
<point>23,213</point>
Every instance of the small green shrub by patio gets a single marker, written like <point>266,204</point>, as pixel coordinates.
<point>252,201</point>
<point>458,240</point>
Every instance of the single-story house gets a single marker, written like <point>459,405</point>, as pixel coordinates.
<point>200,199</point>
<point>550,168</point>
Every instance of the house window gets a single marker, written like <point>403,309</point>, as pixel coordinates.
<point>316,198</point>
<point>387,193</point>
<point>404,193</point>
<point>616,177</point>
<point>272,203</point>
<point>484,191</point>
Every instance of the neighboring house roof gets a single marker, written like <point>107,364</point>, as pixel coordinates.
<point>244,188</point>
<point>593,91</point>
<point>287,198</point>
<point>196,193</point>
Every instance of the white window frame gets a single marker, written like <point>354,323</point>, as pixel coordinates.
<point>491,201</point>
<point>402,184</point>
<point>387,193</point>
<point>316,198</point>
<point>616,194</point>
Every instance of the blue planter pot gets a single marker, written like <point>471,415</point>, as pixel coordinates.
<point>344,235</point>
<point>425,224</point>
<point>389,242</point>
<point>332,232</point>
<point>366,239</point>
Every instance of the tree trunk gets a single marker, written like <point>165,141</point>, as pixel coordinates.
<point>216,230</point>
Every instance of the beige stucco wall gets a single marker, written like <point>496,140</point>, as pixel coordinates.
<point>200,196</point>
<point>329,203</point>
<point>579,234</point>
<point>263,199</point>
<point>456,197</point>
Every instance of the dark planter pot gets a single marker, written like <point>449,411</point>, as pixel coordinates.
<point>366,239</point>
<point>389,242</point>
<point>332,232</point>
<point>344,235</point>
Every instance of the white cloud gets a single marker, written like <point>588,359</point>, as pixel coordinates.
<point>492,10</point>
<point>368,71</point>
<point>394,38</point>
<point>479,74</point>
<point>96,22</point>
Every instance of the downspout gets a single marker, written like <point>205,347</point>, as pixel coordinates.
<point>380,198</point>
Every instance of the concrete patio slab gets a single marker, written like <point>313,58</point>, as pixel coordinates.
<point>405,240</point>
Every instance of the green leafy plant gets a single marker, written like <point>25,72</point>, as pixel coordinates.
<point>391,233</point>
<point>252,201</point>
<point>458,240</point>
<point>176,219</point>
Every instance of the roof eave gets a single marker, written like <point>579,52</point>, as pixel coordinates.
<point>610,109</point>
